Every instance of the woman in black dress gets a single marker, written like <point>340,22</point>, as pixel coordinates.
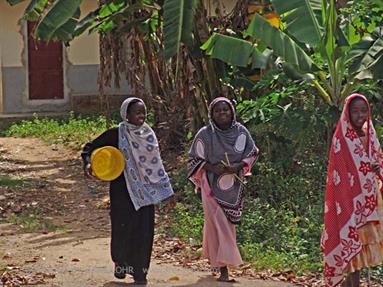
<point>133,194</point>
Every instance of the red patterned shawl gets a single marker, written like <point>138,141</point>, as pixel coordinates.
<point>350,193</point>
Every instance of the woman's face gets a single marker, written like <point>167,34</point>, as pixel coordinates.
<point>222,115</point>
<point>136,113</point>
<point>358,113</point>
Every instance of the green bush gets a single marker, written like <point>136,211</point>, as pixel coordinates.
<point>8,181</point>
<point>187,223</point>
<point>32,219</point>
<point>289,241</point>
<point>187,216</point>
<point>73,129</point>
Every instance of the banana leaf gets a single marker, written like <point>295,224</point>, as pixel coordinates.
<point>178,25</point>
<point>282,45</point>
<point>302,18</point>
<point>59,21</point>
<point>235,51</point>
<point>366,57</point>
<point>34,9</point>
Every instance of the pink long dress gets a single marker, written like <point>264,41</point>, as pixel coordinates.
<point>219,235</point>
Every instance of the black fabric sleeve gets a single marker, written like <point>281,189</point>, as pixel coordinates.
<point>108,138</point>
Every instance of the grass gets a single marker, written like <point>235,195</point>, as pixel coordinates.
<point>68,130</point>
<point>264,257</point>
<point>376,274</point>
<point>7,181</point>
<point>73,130</point>
<point>32,220</point>
<point>187,224</point>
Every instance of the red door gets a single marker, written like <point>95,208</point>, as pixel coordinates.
<point>45,68</point>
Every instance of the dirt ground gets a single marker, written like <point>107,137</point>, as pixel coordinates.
<point>75,251</point>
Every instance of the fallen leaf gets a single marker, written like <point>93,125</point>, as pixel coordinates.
<point>174,278</point>
<point>46,275</point>
<point>247,266</point>
<point>12,267</point>
<point>290,276</point>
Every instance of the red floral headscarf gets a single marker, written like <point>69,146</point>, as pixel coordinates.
<point>351,191</point>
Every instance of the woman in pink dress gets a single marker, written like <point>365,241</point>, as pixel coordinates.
<point>221,154</point>
<point>353,221</point>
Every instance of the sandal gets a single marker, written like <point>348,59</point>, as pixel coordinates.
<point>141,282</point>
<point>119,271</point>
<point>227,280</point>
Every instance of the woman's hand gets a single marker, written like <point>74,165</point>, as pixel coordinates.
<point>235,167</point>
<point>220,168</point>
<point>217,169</point>
<point>88,171</point>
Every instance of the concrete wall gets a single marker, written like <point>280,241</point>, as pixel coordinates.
<point>80,65</point>
<point>11,40</point>
<point>1,85</point>
<point>224,5</point>
<point>11,47</point>
<point>84,50</point>
<point>82,57</point>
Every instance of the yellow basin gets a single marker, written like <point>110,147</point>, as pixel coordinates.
<point>107,163</point>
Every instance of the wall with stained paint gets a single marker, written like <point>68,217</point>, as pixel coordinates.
<point>84,50</point>
<point>81,61</point>
<point>11,40</point>
<point>1,85</point>
<point>225,6</point>
<point>12,45</point>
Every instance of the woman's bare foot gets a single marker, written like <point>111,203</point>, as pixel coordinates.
<point>224,277</point>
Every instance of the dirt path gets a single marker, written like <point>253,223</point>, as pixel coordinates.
<point>75,250</point>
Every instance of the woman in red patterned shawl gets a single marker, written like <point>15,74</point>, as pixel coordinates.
<point>353,219</point>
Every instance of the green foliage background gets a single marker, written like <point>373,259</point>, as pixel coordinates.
<point>283,216</point>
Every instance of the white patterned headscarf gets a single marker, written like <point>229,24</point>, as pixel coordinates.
<point>145,175</point>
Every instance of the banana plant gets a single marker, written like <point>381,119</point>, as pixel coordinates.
<point>178,25</point>
<point>59,19</point>
<point>56,20</point>
<point>236,52</point>
<point>312,31</point>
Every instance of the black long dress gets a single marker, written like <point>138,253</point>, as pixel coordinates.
<point>132,231</point>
